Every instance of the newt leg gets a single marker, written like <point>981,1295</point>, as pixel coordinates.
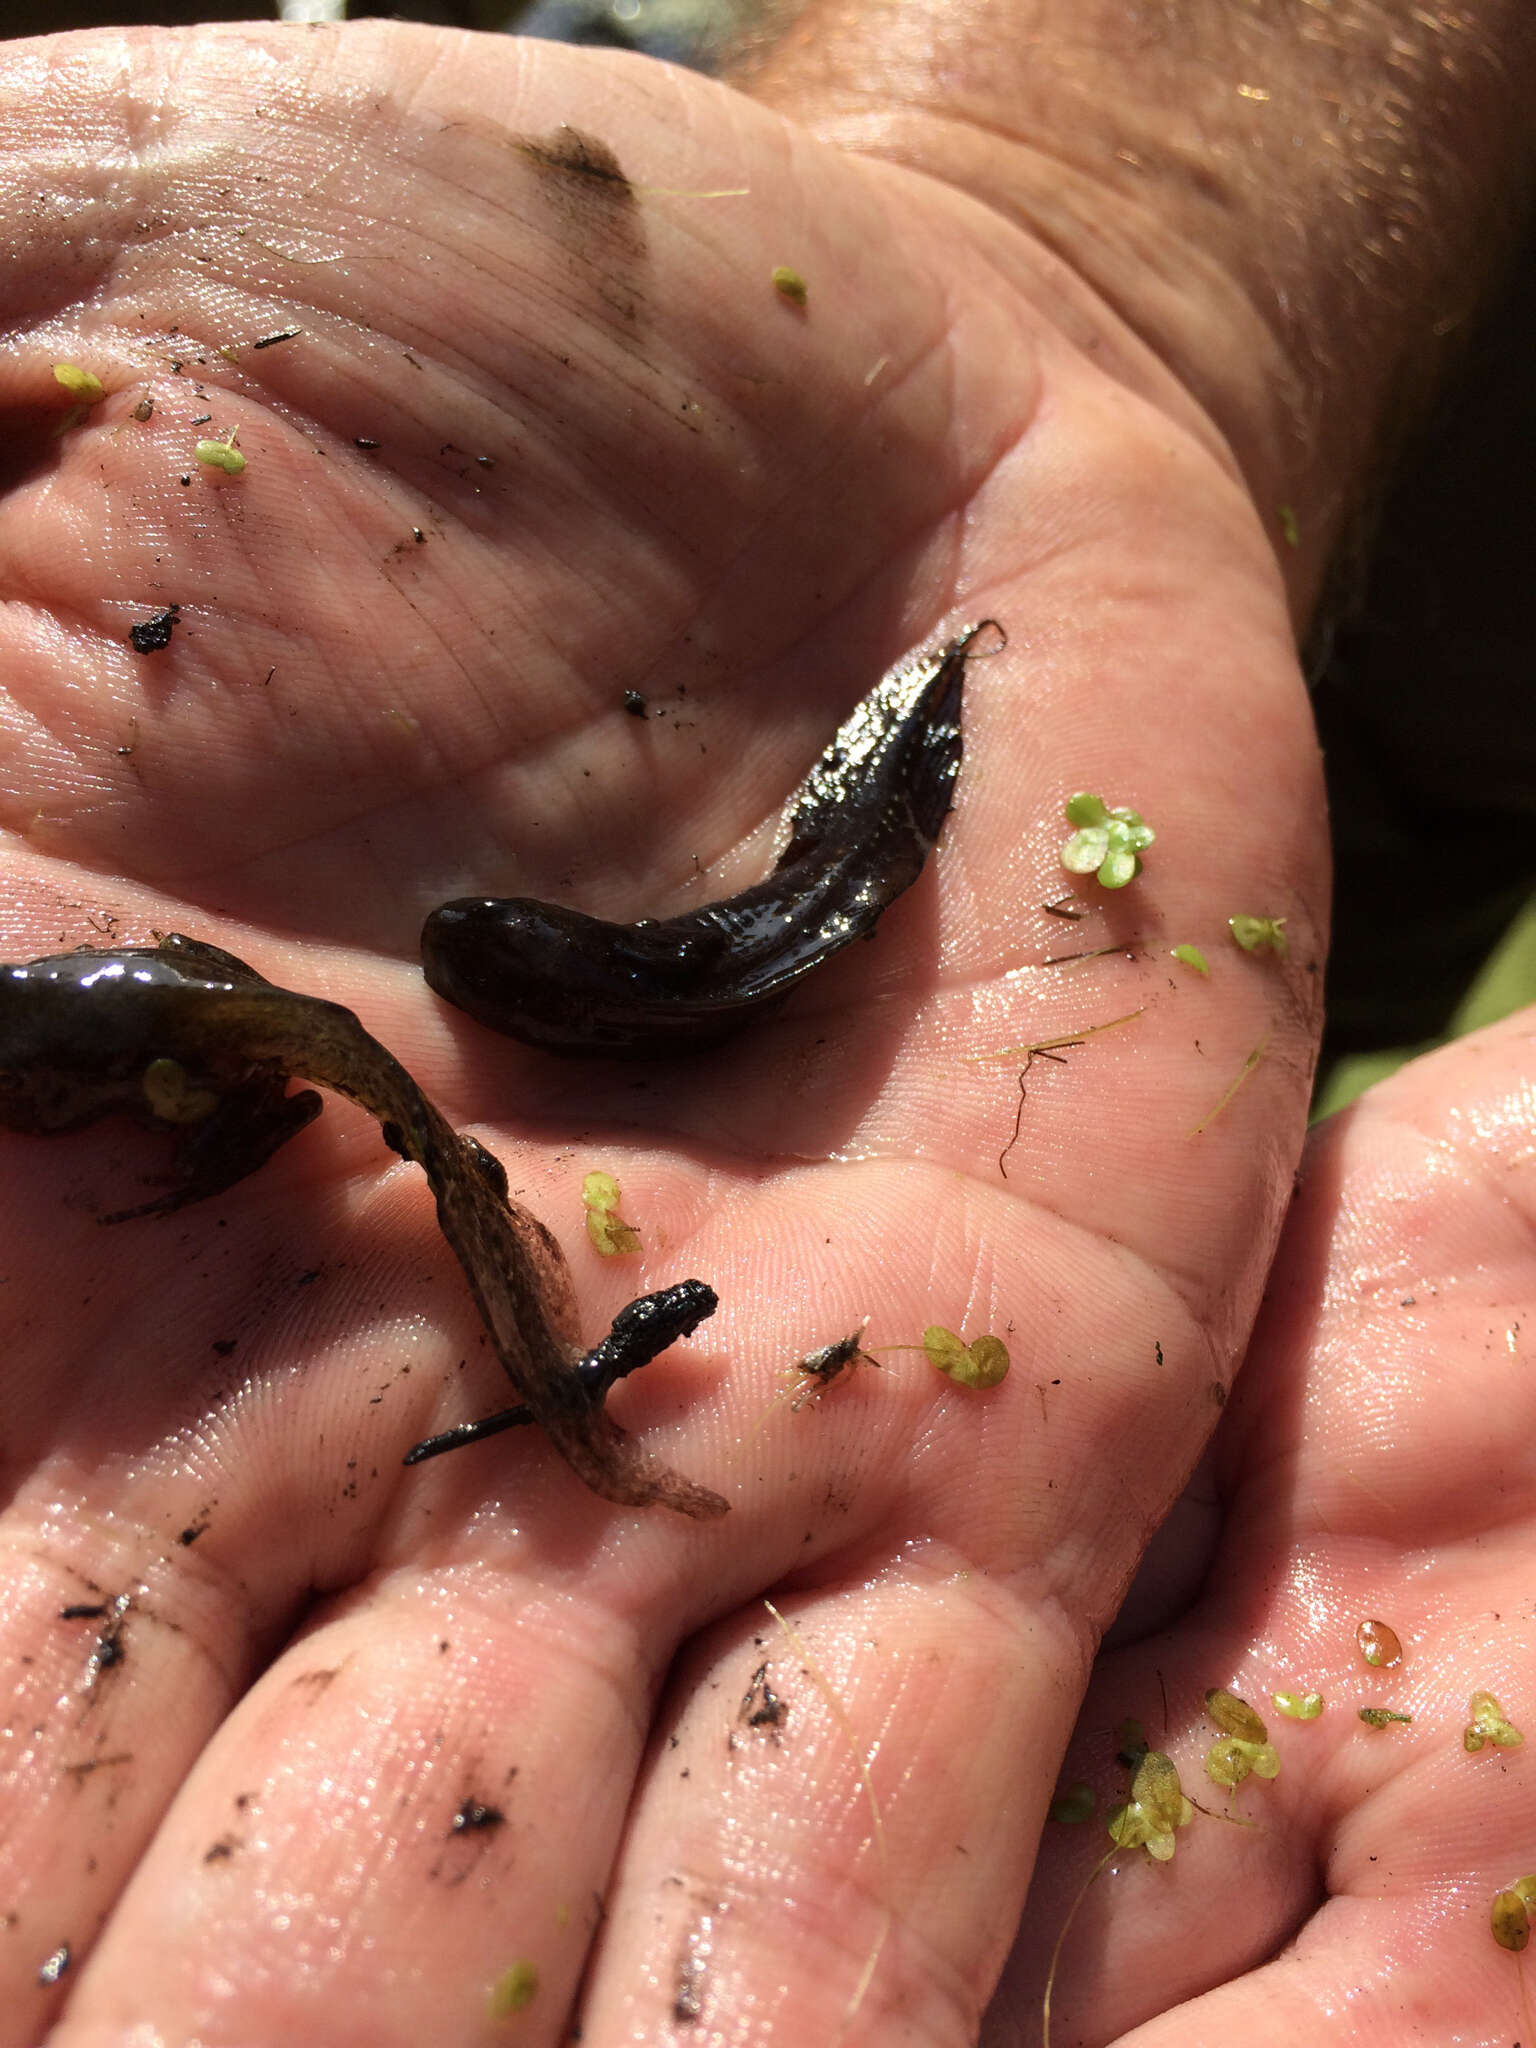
<point>241,1132</point>
<point>641,1331</point>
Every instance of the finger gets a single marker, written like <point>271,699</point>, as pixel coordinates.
<point>821,1850</point>
<point>402,1833</point>
<point>1374,1466</point>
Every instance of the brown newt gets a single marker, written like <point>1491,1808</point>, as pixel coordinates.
<point>191,1040</point>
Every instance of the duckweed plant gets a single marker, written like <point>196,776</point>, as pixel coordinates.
<point>1298,1706</point>
<point>1260,934</point>
<point>981,1363</point>
<point>1107,844</point>
<point>1149,1819</point>
<point>610,1234</point>
<point>1244,1747</point>
<point>1489,1724</point>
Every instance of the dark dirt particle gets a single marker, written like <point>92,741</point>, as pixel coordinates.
<point>474,1816</point>
<point>150,636</point>
<point>761,1706</point>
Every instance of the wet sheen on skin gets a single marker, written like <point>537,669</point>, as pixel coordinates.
<point>191,1040</point>
<point>861,826</point>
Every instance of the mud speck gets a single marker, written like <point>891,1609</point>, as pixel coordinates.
<point>474,1816</point>
<point>153,636</point>
<point>761,1706</point>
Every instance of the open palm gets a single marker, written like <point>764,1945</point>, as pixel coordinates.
<point>299,1742</point>
<point>1375,1464</point>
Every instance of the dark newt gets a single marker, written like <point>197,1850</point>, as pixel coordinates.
<point>861,825</point>
<point>185,1035</point>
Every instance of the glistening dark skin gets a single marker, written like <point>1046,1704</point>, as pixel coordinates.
<point>861,826</point>
<point>186,1037</point>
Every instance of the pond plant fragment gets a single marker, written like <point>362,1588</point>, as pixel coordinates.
<point>1489,1724</point>
<point>1244,1747</point>
<point>1149,1819</point>
<point>1298,1706</point>
<point>981,1363</point>
<point>1107,844</point>
<point>1509,1918</point>
<point>611,1236</point>
<point>1260,934</point>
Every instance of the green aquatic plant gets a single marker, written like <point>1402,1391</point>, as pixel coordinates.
<point>1107,843</point>
<point>1244,1747</point>
<point>1489,1723</point>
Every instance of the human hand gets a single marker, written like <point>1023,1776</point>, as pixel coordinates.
<point>1372,1464</point>
<point>361,1741</point>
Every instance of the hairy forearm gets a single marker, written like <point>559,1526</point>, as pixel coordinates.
<point>1297,203</point>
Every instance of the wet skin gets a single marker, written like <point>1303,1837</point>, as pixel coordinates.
<point>861,827</point>
<point>189,1039</point>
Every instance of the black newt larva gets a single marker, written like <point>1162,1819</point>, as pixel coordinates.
<point>861,825</point>
<point>184,1035</point>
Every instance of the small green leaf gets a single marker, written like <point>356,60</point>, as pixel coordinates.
<point>1260,934</point>
<point>1087,809</point>
<point>1107,843</point>
<point>82,385</point>
<point>981,1363</point>
<point>220,455</point>
<point>513,1990</point>
<point>1234,1716</point>
<point>1155,1809</point>
<point>1489,1724</point>
<point>611,1236</point>
<point>600,1191</point>
<point>1510,1921</point>
<point>1118,867</point>
<point>789,284</point>
<point>1072,1807</point>
<point>1300,1706</point>
<point>1191,956</point>
<point>1084,852</point>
